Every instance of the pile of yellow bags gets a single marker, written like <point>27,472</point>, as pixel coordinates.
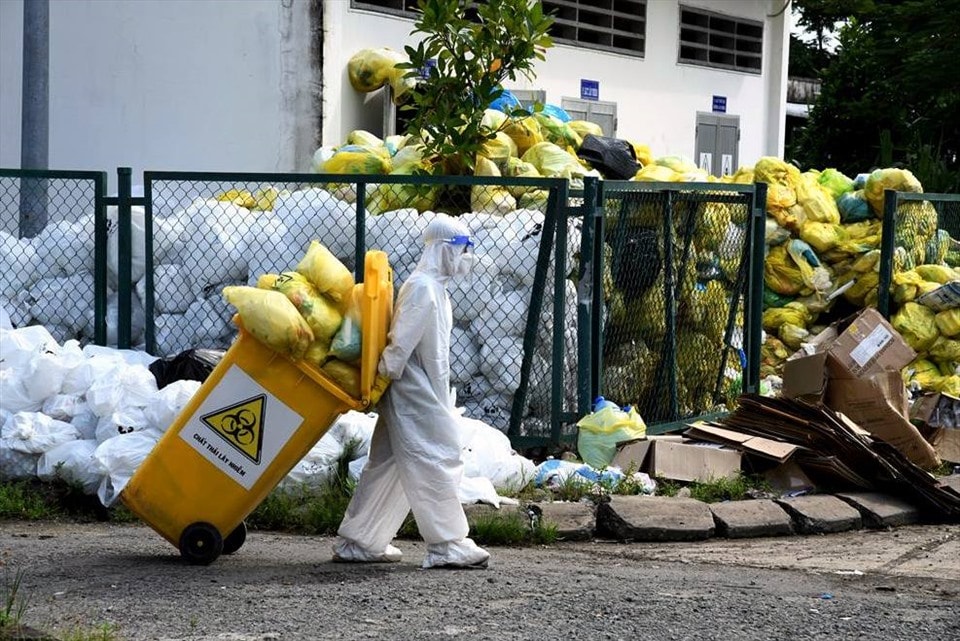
<point>300,313</point>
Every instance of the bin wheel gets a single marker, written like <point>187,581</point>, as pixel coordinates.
<point>235,539</point>
<point>201,543</point>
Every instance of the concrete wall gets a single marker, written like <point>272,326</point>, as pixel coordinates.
<point>163,84</point>
<point>657,98</point>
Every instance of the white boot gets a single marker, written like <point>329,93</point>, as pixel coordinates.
<point>456,554</point>
<point>347,551</point>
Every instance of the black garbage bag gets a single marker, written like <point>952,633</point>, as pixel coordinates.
<point>612,157</point>
<point>190,365</point>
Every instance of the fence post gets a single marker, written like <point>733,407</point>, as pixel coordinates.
<point>100,240</point>
<point>124,306</point>
<point>360,249</point>
<point>587,295</point>
<point>670,320</point>
<point>557,387</point>
<point>886,251</point>
<point>149,325</point>
<point>754,303</point>
<point>534,312</point>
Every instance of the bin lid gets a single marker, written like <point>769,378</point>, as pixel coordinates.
<point>376,307</point>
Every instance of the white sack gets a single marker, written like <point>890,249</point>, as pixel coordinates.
<point>173,289</point>
<point>137,245</point>
<point>214,250</point>
<point>464,356</point>
<point>73,462</point>
<point>66,301</point>
<point>269,248</point>
<point>354,426</point>
<point>315,214</point>
<point>164,408</point>
<point>35,433</point>
<point>65,248</point>
<point>500,362</point>
<point>19,265</point>
<point>119,458</point>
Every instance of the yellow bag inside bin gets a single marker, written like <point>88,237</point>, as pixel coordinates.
<point>272,319</point>
<point>326,272</point>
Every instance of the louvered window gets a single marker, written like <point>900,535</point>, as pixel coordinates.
<point>611,25</point>
<point>715,40</point>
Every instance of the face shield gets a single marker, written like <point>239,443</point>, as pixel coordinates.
<point>463,258</point>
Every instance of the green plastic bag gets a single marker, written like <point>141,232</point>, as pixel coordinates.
<point>601,431</point>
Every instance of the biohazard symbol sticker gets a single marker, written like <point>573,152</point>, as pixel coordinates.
<point>241,425</point>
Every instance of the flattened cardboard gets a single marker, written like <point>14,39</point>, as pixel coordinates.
<point>879,405</point>
<point>788,477</point>
<point>765,447</point>
<point>687,462</point>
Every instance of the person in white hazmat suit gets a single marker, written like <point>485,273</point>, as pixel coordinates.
<point>414,461</point>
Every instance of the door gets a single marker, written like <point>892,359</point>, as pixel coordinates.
<point>717,147</point>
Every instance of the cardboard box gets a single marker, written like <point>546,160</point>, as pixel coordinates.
<point>856,347</point>
<point>879,404</point>
<point>633,454</point>
<point>686,461</point>
<point>940,414</point>
<point>854,368</point>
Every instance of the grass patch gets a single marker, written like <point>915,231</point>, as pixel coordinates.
<point>14,602</point>
<point>35,500</point>
<point>105,632</point>
<point>309,509</point>
<point>666,487</point>
<point>728,489</point>
<point>511,528</point>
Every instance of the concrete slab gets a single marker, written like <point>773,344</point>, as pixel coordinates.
<point>573,521</point>
<point>747,519</point>
<point>952,481</point>
<point>881,510</point>
<point>483,511</point>
<point>654,518</point>
<point>821,514</point>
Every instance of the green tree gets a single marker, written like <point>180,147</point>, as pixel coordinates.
<point>892,93</point>
<point>466,55</point>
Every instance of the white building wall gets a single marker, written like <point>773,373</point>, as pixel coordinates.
<point>657,98</point>
<point>154,84</point>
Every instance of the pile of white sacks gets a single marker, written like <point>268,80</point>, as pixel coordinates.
<point>202,245</point>
<point>91,415</point>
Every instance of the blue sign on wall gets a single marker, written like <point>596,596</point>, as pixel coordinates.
<point>589,89</point>
<point>719,104</point>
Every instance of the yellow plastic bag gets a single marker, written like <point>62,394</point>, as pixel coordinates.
<point>937,273</point>
<point>490,199</point>
<point>945,350</point>
<point>882,179</point>
<point>317,353</point>
<point>792,335</point>
<point>793,313</point>
<point>657,173</point>
<point>600,432</point>
<point>326,272</point>
<point>525,132</point>
<point>499,149</point>
<point>267,281</point>
<point>817,203</point>
<point>345,375</point>
<point>821,236</point>
<point>272,319</point>
<point>642,153</point>
<point>948,322</point>
<point>370,69</point>
<point>322,316</point>
<point>922,372</point>
<point>917,324</point>
<point>584,127</point>
<point>559,133</point>
<point>355,159</point>
<point>553,162</point>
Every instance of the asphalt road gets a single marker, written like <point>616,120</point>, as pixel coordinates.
<point>897,585</point>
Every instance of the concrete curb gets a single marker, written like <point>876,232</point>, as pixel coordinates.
<point>658,518</point>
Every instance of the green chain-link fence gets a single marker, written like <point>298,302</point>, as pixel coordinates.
<point>514,344</point>
<point>54,253</point>
<point>918,229</point>
<point>679,265</point>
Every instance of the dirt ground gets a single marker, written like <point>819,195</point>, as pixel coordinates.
<point>897,584</point>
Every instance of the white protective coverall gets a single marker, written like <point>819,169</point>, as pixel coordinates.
<point>414,461</point>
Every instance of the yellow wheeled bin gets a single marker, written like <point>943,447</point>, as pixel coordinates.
<point>252,420</point>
